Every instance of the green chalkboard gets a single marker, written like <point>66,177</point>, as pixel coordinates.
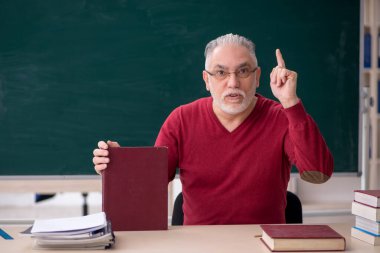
<point>74,72</point>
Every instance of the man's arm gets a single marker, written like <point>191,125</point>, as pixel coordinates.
<point>304,143</point>
<point>306,147</point>
<point>169,136</point>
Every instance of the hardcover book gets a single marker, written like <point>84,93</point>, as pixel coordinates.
<point>365,211</point>
<point>368,197</point>
<point>365,236</point>
<point>302,238</point>
<point>135,188</point>
<point>368,225</point>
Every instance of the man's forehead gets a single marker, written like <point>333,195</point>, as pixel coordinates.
<point>242,65</point>
<point>231,56</point>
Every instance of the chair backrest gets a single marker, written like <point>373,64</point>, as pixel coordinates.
<point>293,210</point>
<point>177,217</point>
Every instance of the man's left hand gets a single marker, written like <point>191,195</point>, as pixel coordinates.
<point>283,83</point>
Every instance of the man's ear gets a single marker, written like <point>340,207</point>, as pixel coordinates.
<point>257,77</point>
<point>205,78</point>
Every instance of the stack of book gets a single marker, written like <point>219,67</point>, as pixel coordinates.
<point>366,207</point>
<point>85,232</point>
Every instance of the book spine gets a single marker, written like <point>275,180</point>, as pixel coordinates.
<point>370,141</point>
<point>378,50</point>
<point>367,50</point>
<point>378,91</point>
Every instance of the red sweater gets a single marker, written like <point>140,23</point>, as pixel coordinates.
<point>241,177</point>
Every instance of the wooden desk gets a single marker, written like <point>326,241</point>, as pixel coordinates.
<point>233,238</point>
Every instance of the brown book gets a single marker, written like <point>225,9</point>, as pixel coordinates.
<point>368,197</point>
<point>302,238</point>
<point>135,188</point>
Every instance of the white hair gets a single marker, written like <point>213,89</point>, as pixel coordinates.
<point>230,39</point>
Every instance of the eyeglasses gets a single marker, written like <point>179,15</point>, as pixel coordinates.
<point>240,73</point>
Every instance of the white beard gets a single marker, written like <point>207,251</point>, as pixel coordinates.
<point>234,109</point>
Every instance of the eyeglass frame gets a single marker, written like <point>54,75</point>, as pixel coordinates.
<point>229,74</point>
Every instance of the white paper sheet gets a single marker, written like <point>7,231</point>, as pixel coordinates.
<point>75,224</point>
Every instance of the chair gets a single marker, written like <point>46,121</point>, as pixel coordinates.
<point>177,216</point>
<point>293,210</point>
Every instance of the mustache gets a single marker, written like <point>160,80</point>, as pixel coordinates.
<point>233,92</point>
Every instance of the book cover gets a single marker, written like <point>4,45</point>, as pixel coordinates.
<point>368,197</point>
<point>302,238</point>
<point>378,50</point>
<point>135,188</point>
<point>365,236</point>
<point>365,211</point>
<point>378,94</point>
<point>367,50</point>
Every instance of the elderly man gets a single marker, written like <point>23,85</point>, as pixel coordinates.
<point>235,149</point>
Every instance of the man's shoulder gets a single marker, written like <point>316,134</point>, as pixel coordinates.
<point>268,104</point>
<point>270,112</point>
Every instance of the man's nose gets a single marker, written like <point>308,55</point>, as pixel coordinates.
<point>233,81</point>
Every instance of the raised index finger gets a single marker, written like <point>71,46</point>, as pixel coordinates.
<point>280,60</point>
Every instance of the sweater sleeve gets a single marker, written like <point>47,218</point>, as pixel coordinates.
<point>306,147</point>
<point>169,137</point>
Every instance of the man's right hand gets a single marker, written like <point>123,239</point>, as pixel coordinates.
<point>101,159</point>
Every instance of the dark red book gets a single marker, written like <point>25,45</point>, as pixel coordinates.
<point>368,197</point>
<point>135,188</point>
<point>302,238</point>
